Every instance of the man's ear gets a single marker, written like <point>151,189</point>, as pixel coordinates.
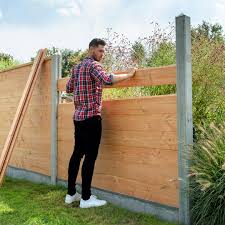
<point>91,49</point>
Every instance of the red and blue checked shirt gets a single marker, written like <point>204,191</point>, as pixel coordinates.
<point>86,84</point>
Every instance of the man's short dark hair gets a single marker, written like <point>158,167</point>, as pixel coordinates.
<point>96,42</point>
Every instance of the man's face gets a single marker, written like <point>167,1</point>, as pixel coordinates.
<point>98,52</point>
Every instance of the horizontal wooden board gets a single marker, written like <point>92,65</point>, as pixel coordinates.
<point>35,159</point>
<point>153,139</point>
<point>158,122</point>
<point>29,64</point>
<point>143,77</point>
<point>165,194</point>
<point>134,106</point>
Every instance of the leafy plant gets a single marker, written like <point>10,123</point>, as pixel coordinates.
<point>208,177</point>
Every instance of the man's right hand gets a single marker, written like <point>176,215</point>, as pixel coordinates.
<point>120,77</point>
<point>132,71</point>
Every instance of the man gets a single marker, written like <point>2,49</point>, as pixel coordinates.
<point>86,83</point>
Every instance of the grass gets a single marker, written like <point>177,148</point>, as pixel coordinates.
<point>26,203</point>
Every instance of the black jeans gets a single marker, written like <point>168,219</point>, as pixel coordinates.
<point>87,137</point>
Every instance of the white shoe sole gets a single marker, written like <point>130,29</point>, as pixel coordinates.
<point>92,206</point>
<point>70,202</point>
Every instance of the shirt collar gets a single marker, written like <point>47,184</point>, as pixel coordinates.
<point>90,57</point>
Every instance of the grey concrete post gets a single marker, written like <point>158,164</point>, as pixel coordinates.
<point>55,75</point>
<point>184,112</point>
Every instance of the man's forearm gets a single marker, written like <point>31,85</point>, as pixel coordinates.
<point>120,77</point>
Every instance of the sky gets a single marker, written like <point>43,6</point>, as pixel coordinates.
<point>28,25</point>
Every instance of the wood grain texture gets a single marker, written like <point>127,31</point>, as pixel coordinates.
<point>138,150</point>
<point>34,136</point>
<point>20,113</point>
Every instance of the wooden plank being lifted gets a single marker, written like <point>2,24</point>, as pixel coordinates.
<point>21,110</point>
<point>143,77</point>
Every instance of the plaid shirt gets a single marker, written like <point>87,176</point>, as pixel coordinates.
<point>86,85</point>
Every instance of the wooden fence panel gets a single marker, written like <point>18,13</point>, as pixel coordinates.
<point>138,151</point>
<point>32,149</point>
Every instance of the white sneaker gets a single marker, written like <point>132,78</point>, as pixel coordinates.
<point>93,196</point>
<point>74,198</point>
<point>92,202</point>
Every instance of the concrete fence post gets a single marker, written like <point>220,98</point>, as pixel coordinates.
<point>184,112</point>
<point>55,75</point>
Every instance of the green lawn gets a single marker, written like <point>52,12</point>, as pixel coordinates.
<point>23,202</point>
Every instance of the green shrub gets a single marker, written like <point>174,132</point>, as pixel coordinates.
<point>208,65</point>
<point>7,61</point>
<point>207,189</point>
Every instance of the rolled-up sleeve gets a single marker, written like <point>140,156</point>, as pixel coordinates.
<point>98,73</point>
